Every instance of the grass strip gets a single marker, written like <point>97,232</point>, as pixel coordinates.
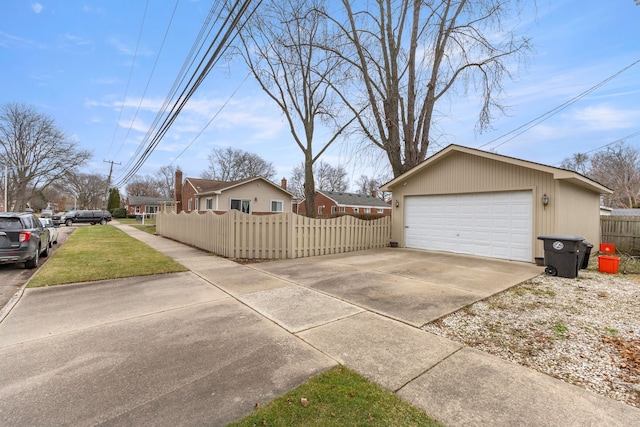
<point>100,253</point>
<point>338,397</point>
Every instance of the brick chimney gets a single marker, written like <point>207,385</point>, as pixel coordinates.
<point>283,183</point>
<point>374,193</point>
<point>178,191</point>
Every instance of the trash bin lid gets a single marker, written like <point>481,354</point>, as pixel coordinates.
<point>567,238</point>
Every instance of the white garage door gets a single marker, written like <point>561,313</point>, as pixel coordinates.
<point>496,225</point>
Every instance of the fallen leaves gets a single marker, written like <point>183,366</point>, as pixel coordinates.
<point>304,402</point>
<point>629,351</point>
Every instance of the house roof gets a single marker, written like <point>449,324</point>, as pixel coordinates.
<point>209,186</point>
<point>353,199</point>
<point>146,200</point>
<point>625,212</point>
<point>558,173</point>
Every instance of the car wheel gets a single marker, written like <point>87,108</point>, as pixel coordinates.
<point>68,223</point>
<point>45,253</point>
<point>33,262</point>
<point>103,221</point>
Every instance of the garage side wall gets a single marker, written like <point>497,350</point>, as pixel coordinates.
<point>461,173</point>
<point>578,212</point>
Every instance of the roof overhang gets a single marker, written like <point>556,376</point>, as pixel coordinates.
<point>558,173</point>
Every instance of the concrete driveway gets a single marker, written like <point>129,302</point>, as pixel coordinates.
<point>412,286</point>
<point>203,347</point>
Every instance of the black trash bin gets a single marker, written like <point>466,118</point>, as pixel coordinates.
<point>585,253</point>
<point>562,255</point>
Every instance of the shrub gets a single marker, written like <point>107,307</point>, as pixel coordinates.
<point>119,213</point>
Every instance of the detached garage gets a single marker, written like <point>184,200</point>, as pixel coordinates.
<point>474,202</point>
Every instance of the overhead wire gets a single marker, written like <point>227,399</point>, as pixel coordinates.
<point>153,69</point>
<point>133,63</point>
<point>543,117</point>
<point>216,48</point>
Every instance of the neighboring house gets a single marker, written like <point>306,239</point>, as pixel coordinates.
<point>475,202</point>
<point>253,195</point>
<point>625,212</point>
<point>143,204</point>
<point>330,203</point>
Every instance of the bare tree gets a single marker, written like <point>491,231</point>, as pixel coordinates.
<point>618,167</point>
<point>232,164</point>
<point>280,46</point>
<point>166,178</point>
<point>578,162</point>
<point>371,186</point>
<point>87,189</point>
<point>35,151</point>
<point>411,55</point>
<point>331,178</point>
<point>143,186</point>
<point>325,177</point>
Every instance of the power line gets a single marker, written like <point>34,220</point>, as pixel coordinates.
<point>126,91</point>
<point>153,69</point>
<point>541,118</point>
<point>217,47</point>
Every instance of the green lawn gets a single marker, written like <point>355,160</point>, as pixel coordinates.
<point>101,252</point>
<point>338,397</point>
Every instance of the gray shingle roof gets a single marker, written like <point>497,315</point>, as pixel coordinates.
<point>353,199</point>
<point>625,212</point>
<point>145,200</point>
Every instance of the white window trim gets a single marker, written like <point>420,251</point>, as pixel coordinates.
<point>276,201</point>
<point>380,210</point>
<point>209,203</point>
<point>189,205</point>
<point>333,209</point>
<point>320,209</point>
<point>367,210</point>
<point>343,209</point>
<point>241,200</point>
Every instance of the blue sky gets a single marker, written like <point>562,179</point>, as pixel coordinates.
<point>74,61</point>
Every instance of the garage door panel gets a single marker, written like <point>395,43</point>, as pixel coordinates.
<point>497,225</point>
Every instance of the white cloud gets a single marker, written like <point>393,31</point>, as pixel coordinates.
<point>606,117</point>
<point>36,7</point>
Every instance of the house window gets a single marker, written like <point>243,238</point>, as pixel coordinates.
<point>189,206</point>
<point>151,209</point>
<point>380,210</point>
<point>333,209</point>
<point>367,210</point>
<point>197,204</point>
<point>209,203</point>
<point>241,205</point>
<point>137,209</point>
<point>320,209</point>
<point>277,206</point>
<point>343,209</point>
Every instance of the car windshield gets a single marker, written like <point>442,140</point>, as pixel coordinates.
<point>45,221</point>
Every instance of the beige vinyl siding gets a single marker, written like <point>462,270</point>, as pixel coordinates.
<point>263,192</point>
<point>578,212</point>
<point>460,173</point>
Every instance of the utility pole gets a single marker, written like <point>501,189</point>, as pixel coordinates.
<point>109,177</point>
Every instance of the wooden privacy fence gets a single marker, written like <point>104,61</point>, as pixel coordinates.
<point>286,235</point>
<point>622,231</point>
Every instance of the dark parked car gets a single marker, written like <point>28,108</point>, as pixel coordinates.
<point>92,217</point>
<point>22,239</point>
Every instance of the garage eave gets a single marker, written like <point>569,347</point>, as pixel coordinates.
<point>560,174</point>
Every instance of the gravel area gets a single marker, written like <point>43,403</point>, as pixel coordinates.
<point>585,331</point>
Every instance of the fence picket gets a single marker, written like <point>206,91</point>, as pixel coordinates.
<point>285,235</point>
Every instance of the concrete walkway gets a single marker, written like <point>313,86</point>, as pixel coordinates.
<point>173,349</point>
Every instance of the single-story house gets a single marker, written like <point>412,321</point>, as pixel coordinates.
<point>475,202</point>
<point>145,204</point>
<point>335,202</point>
<point>252,195</point>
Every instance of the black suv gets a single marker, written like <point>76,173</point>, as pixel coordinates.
<point>22,239</point>
<point>92,217</point>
